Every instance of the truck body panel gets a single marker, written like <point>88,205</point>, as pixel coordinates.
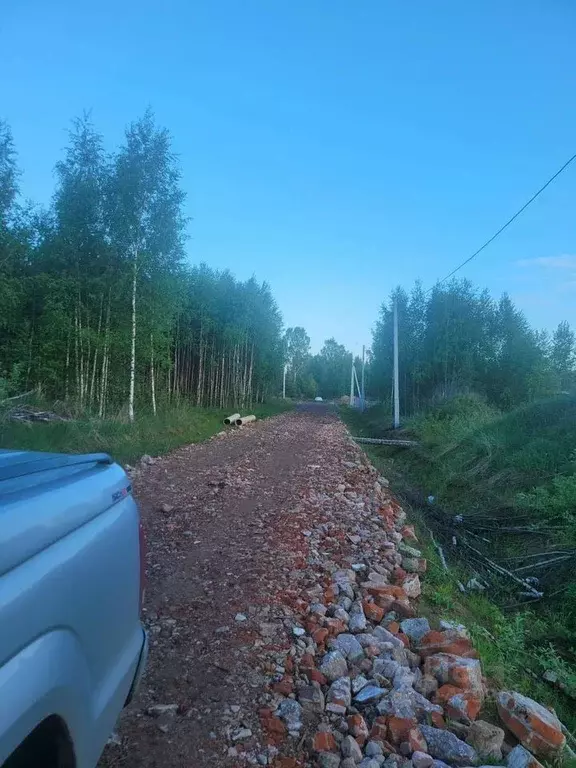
<point>71,641</point>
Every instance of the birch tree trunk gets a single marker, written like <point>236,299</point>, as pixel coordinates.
<point>77,361</point>
<point>200,372</point>
<point>67,366</point>
<point>104,372</point>
<point>250,376</point>
<point>152,382</point>
<point>93,380</point>
<point>133,346</point>
<point>29,368</point>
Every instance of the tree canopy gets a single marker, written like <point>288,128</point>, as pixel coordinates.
<point>457,339</point>
<point>98,306</point>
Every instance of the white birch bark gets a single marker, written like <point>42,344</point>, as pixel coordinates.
<point>152,382</point>
<point>133,345</point>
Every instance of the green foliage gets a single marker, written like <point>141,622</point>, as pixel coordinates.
<point>9,382</point>
<point>453,420</point>
<point>105,263</point>
<point>126,442</point>
<point>296,344</point>
<point>326,374</point>
<point>331,369</point>
<point>474,457</point>
<point>556,503</point>
<point>8,172</point>
<point>458,340</point>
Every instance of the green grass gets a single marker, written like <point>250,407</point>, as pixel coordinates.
<point>495,456</point>
<point>149,434</point>
<point>475,460</point>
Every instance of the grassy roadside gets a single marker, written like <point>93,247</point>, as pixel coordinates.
<point>149,434</point>
<point>515,646</point>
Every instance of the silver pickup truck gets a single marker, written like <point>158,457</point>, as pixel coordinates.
<point>72,649</point>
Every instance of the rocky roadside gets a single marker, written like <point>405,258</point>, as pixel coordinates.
<point>355,677</point>
<point>282,607</point>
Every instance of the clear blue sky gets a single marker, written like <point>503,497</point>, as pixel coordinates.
<point>333,148</point>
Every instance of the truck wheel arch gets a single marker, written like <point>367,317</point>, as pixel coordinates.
<point>48,746</point>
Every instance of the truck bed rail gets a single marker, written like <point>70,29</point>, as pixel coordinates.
<point>44,464</point>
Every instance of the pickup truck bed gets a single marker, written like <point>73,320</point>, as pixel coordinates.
<point>72,647</point>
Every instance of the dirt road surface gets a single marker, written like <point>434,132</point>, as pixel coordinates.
<point>283,633</point>
<point>228,525</point>
<point>224,530</point>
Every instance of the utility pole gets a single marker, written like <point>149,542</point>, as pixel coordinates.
<point>357,385</point>
<point>396,377</point>
<point>352,383</point>
<point>284,382</point>
<point>363,379</point>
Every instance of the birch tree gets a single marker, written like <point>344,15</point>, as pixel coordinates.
<point>145,219</point>
<point>95,289</point>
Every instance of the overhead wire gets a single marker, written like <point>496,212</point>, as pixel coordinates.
<point>506,225</point>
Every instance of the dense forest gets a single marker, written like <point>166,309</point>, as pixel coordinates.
<point>100,309</point>
<point>97,304</point>
<point>456,340</point>
<point>326,374</point>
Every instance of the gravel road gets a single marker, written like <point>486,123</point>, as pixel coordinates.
<point>282,575</point>
<point>224,522</point>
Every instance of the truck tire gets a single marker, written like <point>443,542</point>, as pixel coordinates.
<point>48,746</point>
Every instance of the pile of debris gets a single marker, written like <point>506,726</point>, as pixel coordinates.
<point>363,681</point>
<point>29,413</point>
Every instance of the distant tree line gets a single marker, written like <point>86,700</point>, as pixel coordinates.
<point>326,374</point>
<point>457,339</point>
<point>97,305</point>
<point>99,308</point>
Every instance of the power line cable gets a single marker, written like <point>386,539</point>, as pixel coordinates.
<point>506,225</point>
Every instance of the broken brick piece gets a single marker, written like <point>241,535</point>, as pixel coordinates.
<point>403,608</point>
<point>460,671</point>
<point>317,677</point>
<point>358,728</point>
<point>538,729</point>
<point>399,728</point>
<point>372,611</point>
<point>324,741</point>
<point>387,590</point>
<point>319,635</point>
<point>407,532</point>
<point>449,641</point>
<point>416,741</point>
<point>438,720</point>
<point>379,730</point>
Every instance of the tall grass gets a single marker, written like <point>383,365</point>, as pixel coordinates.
<point>148,434</point>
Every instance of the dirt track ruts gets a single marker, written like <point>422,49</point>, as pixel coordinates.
<point>231,536</point>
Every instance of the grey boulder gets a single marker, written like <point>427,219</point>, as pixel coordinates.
<point>406,703</point>
<point>487,739</point>
<point>415,629</point>
<point>348,646</point>
<point>445,746</point>
<point>351,749</point>
<point>333,666</point>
